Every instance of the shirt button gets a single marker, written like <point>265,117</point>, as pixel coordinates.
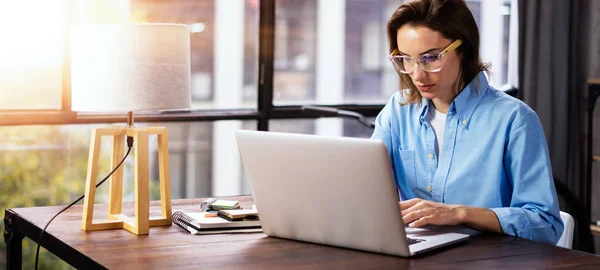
<point>429,188</point>
<point>430,156</point>
<point>465,122</point>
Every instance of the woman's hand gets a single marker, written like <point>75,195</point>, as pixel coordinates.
<point>418,212</point>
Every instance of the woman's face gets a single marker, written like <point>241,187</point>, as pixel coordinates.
<point>415,41</point>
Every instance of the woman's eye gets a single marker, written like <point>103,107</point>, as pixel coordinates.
<point>428,58</point>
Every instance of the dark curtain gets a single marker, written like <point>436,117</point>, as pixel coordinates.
<point>553,74</point>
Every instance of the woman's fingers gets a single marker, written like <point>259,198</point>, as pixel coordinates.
<point>422,222</point>
<point>411,216</point>
<point>414,212</point>
<point>418,212</point>
<point>414,206</point>
<point>409,203</point>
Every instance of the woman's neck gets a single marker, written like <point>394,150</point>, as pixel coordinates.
<point>442,103</point>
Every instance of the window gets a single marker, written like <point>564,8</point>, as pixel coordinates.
<point>332,52</point>
<point>30,74</point>
<point>494,20</point>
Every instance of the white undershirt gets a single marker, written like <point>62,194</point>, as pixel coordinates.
<point>437,120</point>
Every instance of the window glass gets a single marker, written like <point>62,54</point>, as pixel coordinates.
<point>493,19</point>
<point>224,46</point>
<point>31,74</point>
<point>47,165</point>
<point>335,51</point>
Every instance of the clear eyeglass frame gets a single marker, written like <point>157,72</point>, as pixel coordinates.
<point>421,61</point>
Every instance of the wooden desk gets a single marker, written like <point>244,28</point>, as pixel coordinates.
<point>172,248</point>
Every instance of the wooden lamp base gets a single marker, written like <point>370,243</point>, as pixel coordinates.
<point>116,220</point>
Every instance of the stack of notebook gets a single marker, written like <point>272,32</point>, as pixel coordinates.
<point>227,222</point>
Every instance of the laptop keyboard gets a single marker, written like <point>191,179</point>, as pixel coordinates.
<point>414,240</point>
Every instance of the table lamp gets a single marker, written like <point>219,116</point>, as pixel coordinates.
<point>129,68</point>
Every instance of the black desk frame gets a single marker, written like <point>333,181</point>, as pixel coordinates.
<point>16,229</point>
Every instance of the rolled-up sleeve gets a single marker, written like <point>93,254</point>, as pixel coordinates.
<point>533,212</point>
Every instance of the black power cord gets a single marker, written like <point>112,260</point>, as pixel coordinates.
<point>328,111</point>
<point>37,252</point>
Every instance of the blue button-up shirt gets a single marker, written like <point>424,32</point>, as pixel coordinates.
<point>494,156</point>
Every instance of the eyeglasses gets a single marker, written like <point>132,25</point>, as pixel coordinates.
<point>428,62</point>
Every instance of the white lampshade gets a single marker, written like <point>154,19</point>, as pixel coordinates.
<point>130,67</point>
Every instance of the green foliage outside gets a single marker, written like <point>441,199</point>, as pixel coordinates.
<point>47,165</point>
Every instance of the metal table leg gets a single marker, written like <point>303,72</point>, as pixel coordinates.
<point>14,243</point>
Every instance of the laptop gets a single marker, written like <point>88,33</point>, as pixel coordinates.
<point>331,190</point>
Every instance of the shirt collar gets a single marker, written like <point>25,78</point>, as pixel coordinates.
<point>465,103</point>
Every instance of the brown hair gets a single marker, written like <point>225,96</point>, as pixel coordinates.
<point>452,19</point>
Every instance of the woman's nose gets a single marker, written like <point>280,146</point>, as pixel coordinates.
<point>418,73</point>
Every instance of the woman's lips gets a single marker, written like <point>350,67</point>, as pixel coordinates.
<point>425,87</point>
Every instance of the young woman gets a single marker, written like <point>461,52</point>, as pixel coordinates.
<point>463,153</point>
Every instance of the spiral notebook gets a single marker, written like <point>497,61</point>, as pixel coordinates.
<point>196,223</point>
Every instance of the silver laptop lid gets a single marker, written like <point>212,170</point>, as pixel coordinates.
<point>328,190</point>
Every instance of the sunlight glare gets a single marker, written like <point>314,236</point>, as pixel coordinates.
<point>32,33</point>
<point>31,53</point>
